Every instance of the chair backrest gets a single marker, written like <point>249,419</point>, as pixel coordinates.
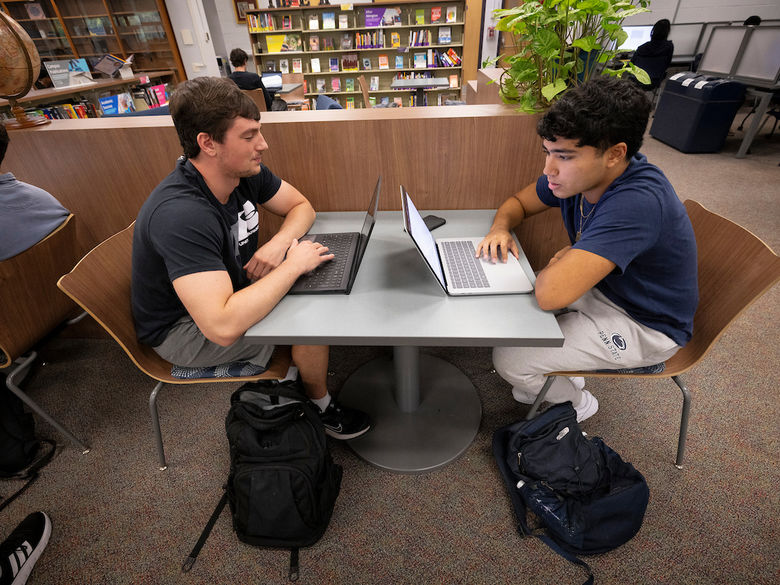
<point>31,304</point>
<point>364,90</point>
<point>258,97</point>
<point>100,283</point>
<point>735,268</point>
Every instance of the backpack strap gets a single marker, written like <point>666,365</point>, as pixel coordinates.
<point>294,566</point>
<point>567,555</point>
<point>31,473</point>
<point>190,560</point>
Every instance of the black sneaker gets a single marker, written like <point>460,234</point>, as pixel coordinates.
<point>344,423</point>
<point>20,551</point>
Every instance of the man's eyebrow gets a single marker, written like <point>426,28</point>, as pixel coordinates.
<point>559,150</point>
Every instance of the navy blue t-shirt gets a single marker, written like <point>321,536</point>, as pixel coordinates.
<point>639,224</point>
<point>183,229</point>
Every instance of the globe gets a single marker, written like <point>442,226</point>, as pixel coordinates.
<point>20,65</point>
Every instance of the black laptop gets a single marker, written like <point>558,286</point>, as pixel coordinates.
<point>338,275</point>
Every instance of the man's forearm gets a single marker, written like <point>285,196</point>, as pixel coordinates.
<point>296,223</point>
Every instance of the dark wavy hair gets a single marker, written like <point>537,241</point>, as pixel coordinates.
<point>601,113</point>
<point>238,57</point>
<point>208,104</point>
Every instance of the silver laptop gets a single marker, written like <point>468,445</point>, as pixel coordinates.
<point>338,275</point>
<point>453,262</point>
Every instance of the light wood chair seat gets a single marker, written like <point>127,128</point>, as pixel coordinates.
<point>258,97</point>
<point>100,283</point>
<point>32,307</point>
<point>734,268</point>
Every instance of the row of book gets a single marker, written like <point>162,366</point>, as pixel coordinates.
<point>335,86</point>
<point>364,40</point>
<point>65,111</point>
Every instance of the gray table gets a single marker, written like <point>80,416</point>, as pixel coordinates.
<point>425,411</point>
<point>419,85</point>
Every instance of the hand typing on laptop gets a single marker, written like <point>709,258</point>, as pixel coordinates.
<point>496,244</point>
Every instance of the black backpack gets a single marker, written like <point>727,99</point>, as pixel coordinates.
<point>283,483</point>
<point>21,455</point>
<point>587,499</point>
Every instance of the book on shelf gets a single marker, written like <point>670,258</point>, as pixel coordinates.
<point>383,63</point>
<point>335,84</point>
<point>287,22</point>
<point>397,101</point>
<point>270,64</point>
<point>343,21</point>
<point>305,86</point>
<point>346,41</point>
<point>349,62</point>
<point>371,101</point>
<point>435,14</point>
<point>373,83</point>
<point>395,39</point>
<point>314,22</point>
<point>454,80</point>
<point>34,11</point>
<point>68,72</point>
<point>349,84</point>
<point>333,64</point>
<point>350,103</point>
<point>326,44</point>
<point>118,103</point>
<point>382,16</point>
<point>328,20</point>
<point>420,61</point>
<point>320,85</point>
<point>399,61</point>
<point>284,66</point>
<point>445,35</point>
<point>315,64</point>
<point>297,65</point>
<point>366,63</point>
<point>314,43</point>
<point>452,13</point>
<point>419,16</point>
<point>283,43</point>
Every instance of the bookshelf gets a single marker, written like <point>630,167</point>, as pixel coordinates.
<point>68,29</point>
<point>331,45</point>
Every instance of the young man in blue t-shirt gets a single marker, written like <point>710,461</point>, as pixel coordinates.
<point>626,288</point>
<point>200,277</point>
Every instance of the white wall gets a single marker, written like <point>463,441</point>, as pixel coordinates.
<point>707,11</point>
<point>193,37</point>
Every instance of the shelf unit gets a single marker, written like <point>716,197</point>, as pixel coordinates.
<point>68,29</point>
<point>280,36</point>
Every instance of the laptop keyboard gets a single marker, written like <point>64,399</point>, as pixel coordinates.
<point>330,274</point>
<point>465,271</point>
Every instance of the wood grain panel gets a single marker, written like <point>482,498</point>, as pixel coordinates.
<point>454,157</point>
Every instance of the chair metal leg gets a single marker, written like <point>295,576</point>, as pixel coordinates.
<point>10,381</point>
<point>156,425</point>
<point>683,420</point>
<point>540,397</point>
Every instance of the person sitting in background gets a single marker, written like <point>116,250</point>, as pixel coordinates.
<point>655,55</point>
<point>245,79</point>
<point>27,214</point>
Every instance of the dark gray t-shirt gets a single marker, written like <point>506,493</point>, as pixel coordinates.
<point>183,229</point>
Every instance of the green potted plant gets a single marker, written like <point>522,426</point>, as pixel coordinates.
<point>561,43</point>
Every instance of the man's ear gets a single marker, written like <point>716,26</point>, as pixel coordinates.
<point>616,154</point>
<point>206,144</point>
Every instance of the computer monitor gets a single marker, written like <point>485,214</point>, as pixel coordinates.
<point>705,34</point>
<point>272,80</point>
<point>637,35</point>
<point>685,38</point>
<point>760,60</point>
<point>722,50</point>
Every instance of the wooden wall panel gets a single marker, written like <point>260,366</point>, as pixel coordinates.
<point>454,157</point>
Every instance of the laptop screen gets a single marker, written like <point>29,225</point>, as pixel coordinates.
<point>272,80</point>
<point>368,222</point>
<point>423,239</point>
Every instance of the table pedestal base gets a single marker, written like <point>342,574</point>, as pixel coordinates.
<point>438,419</point>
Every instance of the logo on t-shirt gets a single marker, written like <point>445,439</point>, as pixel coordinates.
<point>248,221</point>
<point>619,342</point>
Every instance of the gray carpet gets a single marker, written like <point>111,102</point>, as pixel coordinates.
<point>118,520</point>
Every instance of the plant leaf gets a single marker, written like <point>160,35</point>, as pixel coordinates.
<point>550,90</point>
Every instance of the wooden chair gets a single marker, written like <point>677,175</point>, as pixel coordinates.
<point>735,268</point>
<point>258,97</point>
<point>100,283</point>
<point>364,90</point>
<point>33,307</point>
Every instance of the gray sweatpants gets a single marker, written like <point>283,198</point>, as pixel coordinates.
<point>598,335</point>
<point>185,345</point>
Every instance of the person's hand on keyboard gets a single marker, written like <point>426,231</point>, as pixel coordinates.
<point>305,256</point>
<point>497,245</point>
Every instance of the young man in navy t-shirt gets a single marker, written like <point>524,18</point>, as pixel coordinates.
<point>200,279</point>
<point>626,288</point>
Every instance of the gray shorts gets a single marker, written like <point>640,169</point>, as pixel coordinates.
<point>185,345</point>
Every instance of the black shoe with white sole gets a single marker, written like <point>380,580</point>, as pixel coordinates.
<point>344,423</point>
<point>20,551</point>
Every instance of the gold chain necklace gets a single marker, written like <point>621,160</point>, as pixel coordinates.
<point>583,217</point>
